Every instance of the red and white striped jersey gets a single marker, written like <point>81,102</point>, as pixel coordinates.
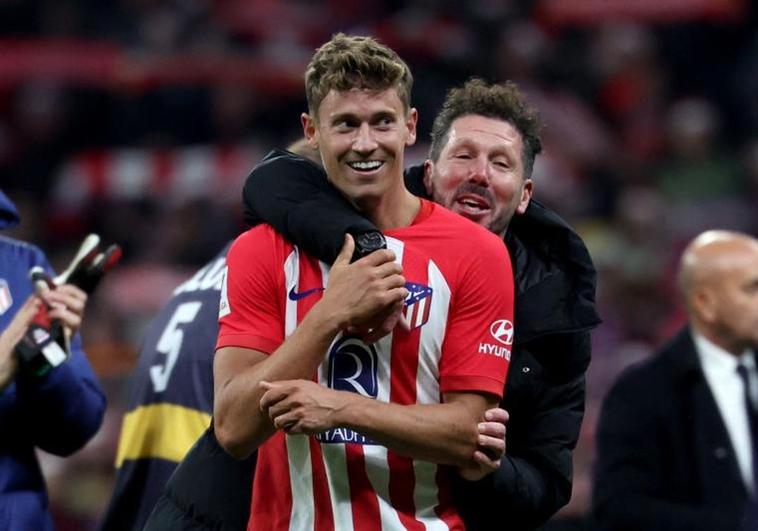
<point>460,308</point>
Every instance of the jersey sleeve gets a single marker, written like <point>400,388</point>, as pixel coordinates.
<point>250,310</point>
<point>476,351</point>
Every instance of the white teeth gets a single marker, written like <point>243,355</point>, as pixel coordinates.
<point>365,166</point>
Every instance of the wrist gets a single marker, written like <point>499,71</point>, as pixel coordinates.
<point>351,413</point>
<point>326,319</point>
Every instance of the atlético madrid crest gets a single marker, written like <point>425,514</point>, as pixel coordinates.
<point>418,304</point>
<point>6,300</point>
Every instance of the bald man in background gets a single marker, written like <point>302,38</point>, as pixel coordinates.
<point>677,440</point>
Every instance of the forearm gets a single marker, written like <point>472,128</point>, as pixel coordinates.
<point>441,433</point>
<point>65,407</point>
<point>241,426</point>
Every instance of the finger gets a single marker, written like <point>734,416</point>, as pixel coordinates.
<point>273,395</point>
<point>377,258</point>
<point>72,291</point>
<point>493,429</point>
<point>388,269</point>
<point>484,461</point>
<point>69,319</point>
<point>71,301</point>
<point>397,295</point>
<point>346,253</point>
<point>267,385</point>
<point>279,408</point>
<point>496,415</point>
<point>287,422</point>
<point>493,446</point>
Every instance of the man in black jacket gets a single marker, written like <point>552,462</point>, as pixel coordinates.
<point>484,142</point>
<point>675,449</point>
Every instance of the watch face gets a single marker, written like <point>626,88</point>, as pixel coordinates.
<point>368,242</point>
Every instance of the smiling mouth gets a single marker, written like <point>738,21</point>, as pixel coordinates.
<point>366,166</point>
<point>472,205</point>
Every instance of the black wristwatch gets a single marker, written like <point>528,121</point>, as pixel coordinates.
<point>368,242</point>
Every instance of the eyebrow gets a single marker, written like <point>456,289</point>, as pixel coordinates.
<point>468,143</point>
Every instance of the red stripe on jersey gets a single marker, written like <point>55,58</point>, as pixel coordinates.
<point>322,502</point>
<point>445,497</point>
<point>270,476</point>
<point>363,502</point>
<point>401,487</point>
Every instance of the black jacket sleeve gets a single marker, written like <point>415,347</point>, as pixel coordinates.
<point>209,490</point>
<point>292,194</point>
<point>546,406</point>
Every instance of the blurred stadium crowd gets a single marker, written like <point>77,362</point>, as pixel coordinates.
<point>139,120</point>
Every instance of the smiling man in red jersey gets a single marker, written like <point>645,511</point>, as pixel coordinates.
<point>354,433</point>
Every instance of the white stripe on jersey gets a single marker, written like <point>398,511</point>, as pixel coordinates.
<point>298,447</point>
<point>378,472</point>
<point>301,482</point>
<point>335,463</point>
<point>432,336</point>
<point>291,280</point>
<point>426,495</point>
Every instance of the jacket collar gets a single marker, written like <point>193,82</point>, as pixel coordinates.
<point>8,213</point>
<point>554,275</point>
<point>682,355</point>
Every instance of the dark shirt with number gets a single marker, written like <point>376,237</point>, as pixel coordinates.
<point>171,398</point>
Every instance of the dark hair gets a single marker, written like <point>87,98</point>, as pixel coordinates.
<point>501,101</point>
<point>347,62</point>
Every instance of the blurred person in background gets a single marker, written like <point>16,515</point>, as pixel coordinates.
<point>484,142</point>
<point>171,397</point>
<point>58,411</point>
<point>677,439</point>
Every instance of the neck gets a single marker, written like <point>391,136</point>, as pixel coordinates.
<point>729,344</point>
<point>396,208</point>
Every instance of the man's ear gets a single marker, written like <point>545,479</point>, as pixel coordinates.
<point>703,305</point>
<point>309,129</point>
<point>428,170</point>
<point>526,196</point>
<point>410,123</point>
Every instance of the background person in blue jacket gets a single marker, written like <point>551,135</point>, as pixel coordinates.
<point>58,412</point>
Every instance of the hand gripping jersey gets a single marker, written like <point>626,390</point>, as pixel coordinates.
<point>460,311</point>
<point>171,397</point>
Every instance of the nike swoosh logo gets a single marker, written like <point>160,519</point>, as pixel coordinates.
<point>295,296</point>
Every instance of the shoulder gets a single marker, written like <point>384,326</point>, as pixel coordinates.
<point>17,254</point>
<point>656,381</point>
<point>11,245</point>
<point>469,235</point>
<point>259,241</point>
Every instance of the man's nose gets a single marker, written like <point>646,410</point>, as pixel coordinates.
<point>478,173</point>
<point>364,140</point>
